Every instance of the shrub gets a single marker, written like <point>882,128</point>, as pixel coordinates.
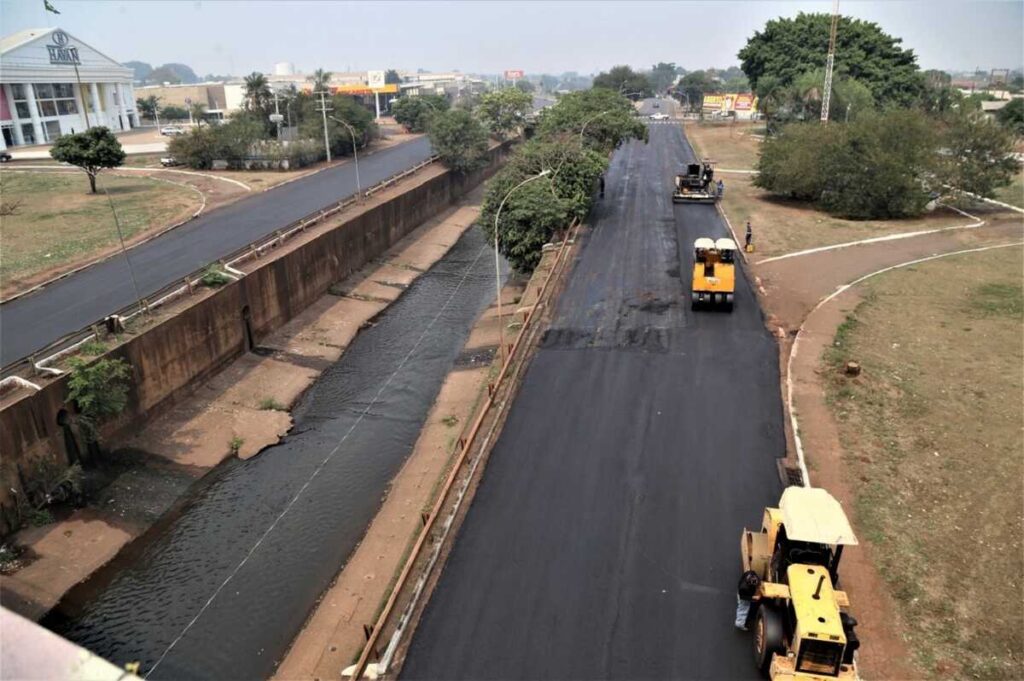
<point>214,277</point>
<point>460,140</point>
<point>99,389</point>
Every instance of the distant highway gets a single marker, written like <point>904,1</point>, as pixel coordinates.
<point>603,541</point>
<point>34,321</point>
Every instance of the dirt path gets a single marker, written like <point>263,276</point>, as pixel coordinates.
<point>792,290</point>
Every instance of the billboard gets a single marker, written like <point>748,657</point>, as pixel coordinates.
<point>729,102</point>
<point>375,79</point>
<point>513,74</point>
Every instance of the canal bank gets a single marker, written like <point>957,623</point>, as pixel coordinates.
<point>221,589</point>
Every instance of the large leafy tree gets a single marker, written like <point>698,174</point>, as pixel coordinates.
<point>415,112</point>
<point>693,86</point>
<point>978,154</point>
<point>149,106</point>
<point>1011,116</point>
<point>602,118</point>
<point>338,136</point>
<point>459,139</point>
<point>788,47</point>
<point>92,151</point>
<point>504,111</point>
<point>391,77</point>
<point>320,79</point>
<point>662,76</point>
<point>624,80</point>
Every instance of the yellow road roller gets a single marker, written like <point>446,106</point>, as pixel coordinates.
<point>714,273</point>
<point>802,630</point>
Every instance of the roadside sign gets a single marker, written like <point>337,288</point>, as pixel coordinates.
<point>276,118</point>
<point>513,74</point>
<point>375,80</point>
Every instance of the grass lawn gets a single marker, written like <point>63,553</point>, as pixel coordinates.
<point>782,226</point>
<point>59,223</point>
<point>931,434</point>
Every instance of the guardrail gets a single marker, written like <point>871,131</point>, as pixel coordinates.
<point>492,407</point>
<point>37,362</point>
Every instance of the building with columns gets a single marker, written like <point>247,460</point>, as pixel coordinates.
<point>54,84</point>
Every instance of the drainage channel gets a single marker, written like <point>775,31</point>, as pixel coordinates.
<point>219,590</point>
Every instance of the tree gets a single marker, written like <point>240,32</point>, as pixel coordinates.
<point>602,117</point>
<point>789,47</point>
<point>882,165</point>
<point>256,90</point>
<point>320,80</point>
<point>977,154</point>
<point>459,139</point>
<point>525,85</point>
<point>626,81</point>
<point>391,77</point>
<point>339,137</point>
<point>1011,116</point>
<point>99,389</point>
<point>196,111</point>
<point>693,86</point>
<point>148,106</point>
<point>415,112</point>
<point>662,76</point>
<point>92,151</point>
<point>503,111</point>
<point>174,113</point>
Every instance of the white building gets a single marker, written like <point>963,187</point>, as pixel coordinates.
<point>54,84</point>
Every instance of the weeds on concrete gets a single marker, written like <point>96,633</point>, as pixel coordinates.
<point>100,389</point>
<point>37,517</point>
<point>93,348</point>
<point>214,276</point>
<point>236,444</point>
<point>270,404</point>
<point>450,420</point>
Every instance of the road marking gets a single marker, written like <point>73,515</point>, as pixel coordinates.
<point>839,291</point>
<point>320,467</point>
<point>978,222</point>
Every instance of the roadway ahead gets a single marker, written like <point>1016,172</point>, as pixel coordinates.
<point>603,541</point>
<point>35,320</point>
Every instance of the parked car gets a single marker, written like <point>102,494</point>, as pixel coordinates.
<point>169,161</point>
<point>5,157</point>
<point>172,130</point>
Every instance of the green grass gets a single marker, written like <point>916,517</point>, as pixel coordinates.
<point>1013,194</point>
<point>270,404</point>
<point>1002,299</point>
<point>59,222</point>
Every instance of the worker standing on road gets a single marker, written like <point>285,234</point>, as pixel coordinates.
<point>749,581</point>
<point>750,236</point>
<point>602,186</point>
<point>721,188</point>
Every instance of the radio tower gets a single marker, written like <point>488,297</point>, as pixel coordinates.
<point>830,62</point>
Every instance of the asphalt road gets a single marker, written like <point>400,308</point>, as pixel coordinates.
<point>603,541</point>
<point>33,321</point>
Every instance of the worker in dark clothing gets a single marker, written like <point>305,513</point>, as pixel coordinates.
<point>721,188</point>
<point>602,186</point>
<point>749,581</point>
<point>750,235</point>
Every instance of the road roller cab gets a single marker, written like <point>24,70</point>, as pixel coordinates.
<point>802,629</point>
<point>714,273</point>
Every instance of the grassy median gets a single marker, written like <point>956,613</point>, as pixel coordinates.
<point>58,223</point>
<point>782,226</point>
<point>931,435</point>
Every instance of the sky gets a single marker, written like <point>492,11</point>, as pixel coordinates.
<point>236,37</point>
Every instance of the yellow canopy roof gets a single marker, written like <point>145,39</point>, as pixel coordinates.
<point>813,515</point>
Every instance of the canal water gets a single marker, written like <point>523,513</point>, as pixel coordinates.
<point>219,590</point>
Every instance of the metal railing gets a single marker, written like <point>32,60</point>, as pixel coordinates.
<point>69,343</point>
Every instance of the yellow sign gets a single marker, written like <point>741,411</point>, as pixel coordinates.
<point>358,89</point>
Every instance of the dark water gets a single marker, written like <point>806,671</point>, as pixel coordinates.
<point>220,590</point>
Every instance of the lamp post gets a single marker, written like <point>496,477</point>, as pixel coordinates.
<point>355,152</point>
<point>497,259</point>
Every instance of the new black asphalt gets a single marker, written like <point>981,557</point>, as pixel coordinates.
<point>34,321</point>
<point>603,541</point>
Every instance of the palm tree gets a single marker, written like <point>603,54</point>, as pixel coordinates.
<point>320,79</point>
<point>149,106</point>
<point>257,91</point>
<point>196,111</point>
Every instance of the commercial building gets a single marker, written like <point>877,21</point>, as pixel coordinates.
<point>211,95</point>
<point>54,84</point>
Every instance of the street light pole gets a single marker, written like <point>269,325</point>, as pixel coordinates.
<point>497,260</point>
<point>355,152</point>
<point>323,110</point>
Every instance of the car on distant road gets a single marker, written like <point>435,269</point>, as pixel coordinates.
<point>169,161</point>
<point>172,130</point>
<point>660,116</point>
<point>656,105</point>
<point>5,157</point>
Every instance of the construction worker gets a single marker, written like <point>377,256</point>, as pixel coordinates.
<point>602,186</point>
<point>721,188</point>
<point>750,236</point>
<point>745,590</point>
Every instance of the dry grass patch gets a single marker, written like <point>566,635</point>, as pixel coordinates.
<point>782,226</point>
<point>931,434</point>
<point>1013,194</point>
<point>59,223</point>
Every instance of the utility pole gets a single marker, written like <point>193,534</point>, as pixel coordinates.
<point>277,116</point>
<point>85,104</point>
<point>830,62</point>
<point>323,110</point>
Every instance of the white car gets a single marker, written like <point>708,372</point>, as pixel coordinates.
<point>169,162</point>
<point>660,116</point>
<point>171,130</point>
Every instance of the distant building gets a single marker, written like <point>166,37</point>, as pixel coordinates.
<point>55,84</point>
<point>210,95</point>
<point>284,68</point>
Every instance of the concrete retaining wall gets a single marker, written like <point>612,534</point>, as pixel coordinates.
<point>174,356</point>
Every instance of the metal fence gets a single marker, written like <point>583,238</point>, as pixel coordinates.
<point>38,361</point>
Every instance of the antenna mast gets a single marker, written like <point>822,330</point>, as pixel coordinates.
<point>830,62</point>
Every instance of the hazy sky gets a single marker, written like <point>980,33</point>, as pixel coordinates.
<point>231,36</point>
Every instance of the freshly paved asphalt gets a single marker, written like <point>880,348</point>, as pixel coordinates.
<point>603,541</point>
<point>33,321</point>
